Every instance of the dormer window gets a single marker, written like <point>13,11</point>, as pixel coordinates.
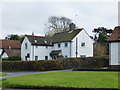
<point>35,41</point>
<point>70,31</point>
<point>82,44</point>
<point>9,47</point>
<point>45,41</point>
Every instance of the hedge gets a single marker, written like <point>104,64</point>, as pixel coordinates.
<point>65,63</point>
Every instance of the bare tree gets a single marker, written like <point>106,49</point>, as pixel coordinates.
<point>57,24</point>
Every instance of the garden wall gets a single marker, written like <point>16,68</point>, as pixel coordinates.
<point>65,63</point>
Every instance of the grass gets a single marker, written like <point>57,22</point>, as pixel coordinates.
<point>2,74</point>
<point>75,79</point>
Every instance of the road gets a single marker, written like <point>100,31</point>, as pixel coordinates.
<point>14,74</point>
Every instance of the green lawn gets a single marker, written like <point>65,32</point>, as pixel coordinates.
<point>2,74</point>
<point>77,79</point>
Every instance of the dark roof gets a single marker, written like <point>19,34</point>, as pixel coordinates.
<point>58,37</point>
<point>10,43</point>
<point>115,36</point>
<point>39,40</point>
<point>55,52</point>
<point>65,36</point>
<point>13,52</point>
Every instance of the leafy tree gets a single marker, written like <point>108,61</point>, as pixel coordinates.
<point>101,46</point>
<point>16,37</point>
<point>57,24</point>
<point>102,34</point>
<point>100,50</point>
<point>102,38</point>
<point>102,30</point>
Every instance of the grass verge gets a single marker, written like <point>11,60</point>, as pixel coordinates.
<point>71,79</point>
<point>2,74</point>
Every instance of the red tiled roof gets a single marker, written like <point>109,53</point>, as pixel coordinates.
<point>10,43</point>
<point>115,34</point>
<point>34,36</point>
<point>13,52</point>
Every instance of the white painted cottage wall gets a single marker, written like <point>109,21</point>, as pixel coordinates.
<point>5,55</point>
<point>85,50</point>
<point>25,51</point>
<point>42,51</point>
<point>1,51</point>
<point>65,50</point>
<point>114,53</point>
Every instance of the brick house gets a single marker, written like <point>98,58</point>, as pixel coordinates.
<point>9,48</point>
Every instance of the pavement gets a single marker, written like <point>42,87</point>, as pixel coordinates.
<point>14,74</point>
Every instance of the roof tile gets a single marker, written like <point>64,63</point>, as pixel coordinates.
<point>65,36</point>
<point>115,36</point>
<point>10,43</point>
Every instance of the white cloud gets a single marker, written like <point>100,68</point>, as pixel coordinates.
<point>25,18</point>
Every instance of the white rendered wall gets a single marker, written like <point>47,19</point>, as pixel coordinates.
<point>25,51</point>
<point>82,50</point>
<point>42,51</point>
<point>114,53</point>
<point>5,56</point>
<point>1,51</point>
<point>65,50</point>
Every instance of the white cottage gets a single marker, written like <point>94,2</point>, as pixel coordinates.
<point>114,48</point>
<point>72,43</point>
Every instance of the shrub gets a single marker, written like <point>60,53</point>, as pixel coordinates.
<point>65,63</point>
<point>13,58</point>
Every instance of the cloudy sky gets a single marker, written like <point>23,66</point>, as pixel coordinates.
<point>27,17</point>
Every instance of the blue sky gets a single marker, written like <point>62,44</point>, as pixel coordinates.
<point>27,17</point>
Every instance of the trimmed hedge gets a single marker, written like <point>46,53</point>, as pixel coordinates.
<point>65,63</point>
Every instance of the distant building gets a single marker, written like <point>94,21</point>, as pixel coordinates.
<point>114,48</point>
<point>9,48</point>
<point>72,43</point>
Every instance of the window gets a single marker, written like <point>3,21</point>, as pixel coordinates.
<point>46,57</point>
<point>59,45</point>
<point>83,44</point>
<point>35,41</point>
<point>45,41</point>
<point>66,56</point>
<point>25,57</point>
<point>36,57</point>
<point>25,45</point>
<point>9,47</point>
<point>82,55</point>
<point>66,44</point>
<point>28,55</point>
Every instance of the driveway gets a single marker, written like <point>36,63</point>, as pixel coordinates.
<point>14,74</point>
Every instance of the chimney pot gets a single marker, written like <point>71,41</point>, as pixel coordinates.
<point>72,26</point>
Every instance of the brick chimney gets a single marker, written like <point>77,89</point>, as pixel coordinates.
<point>71,26</point>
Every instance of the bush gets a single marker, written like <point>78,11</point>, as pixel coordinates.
<point>13,58</point>
<point>65,63</point>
